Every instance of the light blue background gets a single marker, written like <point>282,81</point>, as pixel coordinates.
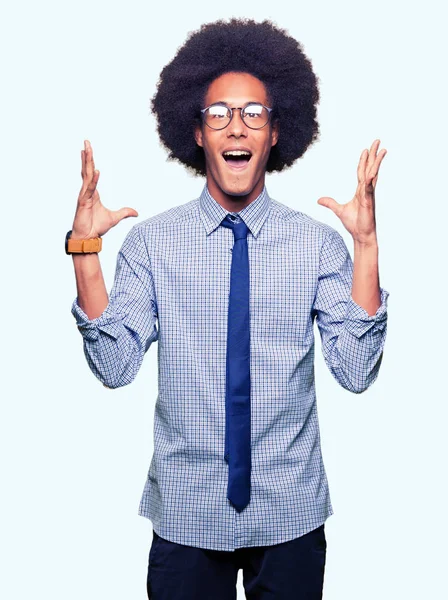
<point>75,455</point>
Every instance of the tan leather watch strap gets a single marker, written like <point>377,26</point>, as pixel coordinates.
<point>84,246</point>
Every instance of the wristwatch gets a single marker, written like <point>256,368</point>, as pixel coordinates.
<point>87,246</point>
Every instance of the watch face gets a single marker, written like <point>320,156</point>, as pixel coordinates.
<point>67,237</point>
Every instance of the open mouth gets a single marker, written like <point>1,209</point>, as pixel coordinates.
<point>237,159</point>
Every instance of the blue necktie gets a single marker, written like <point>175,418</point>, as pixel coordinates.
<point>237,448</point>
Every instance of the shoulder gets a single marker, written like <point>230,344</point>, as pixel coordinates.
<point>296,219</point>
<point>174,216</point>
<point>140,235</point>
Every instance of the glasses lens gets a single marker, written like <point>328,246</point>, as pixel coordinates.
<point>217,116</point>
<point>255,116</point>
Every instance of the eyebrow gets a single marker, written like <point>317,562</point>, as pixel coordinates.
<point>222,103</point>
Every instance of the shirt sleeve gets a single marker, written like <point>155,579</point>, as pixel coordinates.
<point>352,341</point>
<point>116,341</point>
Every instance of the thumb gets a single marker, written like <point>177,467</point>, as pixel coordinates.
<point>329,203</point>
<point>124,213</point>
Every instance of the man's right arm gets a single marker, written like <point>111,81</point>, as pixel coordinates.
<point>116,332</point>
<point>92,220</point>
<point>92,294</point>
<point>116,341</point>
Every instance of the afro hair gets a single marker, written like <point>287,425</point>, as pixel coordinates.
<point>239,45</point>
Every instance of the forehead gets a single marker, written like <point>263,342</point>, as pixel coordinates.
<point>236,88</point>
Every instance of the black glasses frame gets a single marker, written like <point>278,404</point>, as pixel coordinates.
<point>240,108</point>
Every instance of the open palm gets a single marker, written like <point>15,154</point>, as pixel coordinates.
<point>358,215</point>
<point>92,219</point>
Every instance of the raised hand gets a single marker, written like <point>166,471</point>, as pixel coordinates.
<point>92,219</point>
<point>358,215</point>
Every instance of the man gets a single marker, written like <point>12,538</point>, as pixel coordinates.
<point>229,285</point>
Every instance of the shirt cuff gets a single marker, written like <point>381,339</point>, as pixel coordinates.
<point>358,321</point>
<point>108,322</point>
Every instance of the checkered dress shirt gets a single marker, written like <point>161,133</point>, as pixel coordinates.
<point>172,286</point>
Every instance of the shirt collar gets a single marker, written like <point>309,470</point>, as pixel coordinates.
<point>253,215</point>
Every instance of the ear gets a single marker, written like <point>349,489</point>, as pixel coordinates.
<point>198,134</point>
<point>275,132</point>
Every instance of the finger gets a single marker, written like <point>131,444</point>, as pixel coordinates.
<point>87,159</point>
<point>90,165</point>
<point>373,172</point>
<point>362,166</point>
<point>83,164</point>
<point>88,189</point>
<point>124,213</point>
<point>84,160</point>
<point>330,203</point>
<point>374,146</point>
<point>83,171</point>
<point>379,159</point>
<point>372,154</point>
<point>91,186</point>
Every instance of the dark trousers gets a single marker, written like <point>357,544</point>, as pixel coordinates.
<point>293,570</point>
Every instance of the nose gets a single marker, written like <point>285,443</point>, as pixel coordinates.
<point>236,127</point>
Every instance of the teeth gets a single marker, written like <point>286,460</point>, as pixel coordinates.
<point>237,153</point>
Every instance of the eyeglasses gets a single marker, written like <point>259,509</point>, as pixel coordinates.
<point>254,115</point>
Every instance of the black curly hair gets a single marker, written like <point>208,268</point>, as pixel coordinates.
<point>239,45</point>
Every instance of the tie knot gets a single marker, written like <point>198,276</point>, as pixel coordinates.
<point>239,228</point>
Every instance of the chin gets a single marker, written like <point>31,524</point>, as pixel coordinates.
<point>239,188</point>
<point>238,185</point>
<point>238,192</point>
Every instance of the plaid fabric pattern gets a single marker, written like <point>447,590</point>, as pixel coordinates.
<point>172,286</point>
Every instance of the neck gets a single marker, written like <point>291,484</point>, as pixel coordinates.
<point>230,202</point>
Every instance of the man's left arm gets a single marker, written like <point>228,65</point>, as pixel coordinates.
<point>353,336</point>
<point>366,308</point>
<point>366,280</point>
